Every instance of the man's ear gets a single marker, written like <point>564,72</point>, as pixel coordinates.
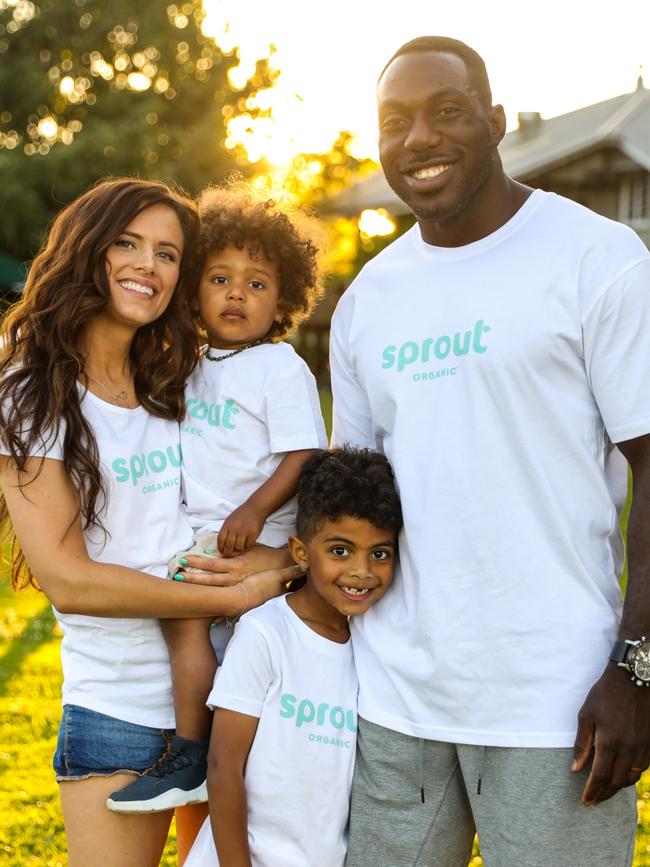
<point>298,552</point>
<point>497,121</point>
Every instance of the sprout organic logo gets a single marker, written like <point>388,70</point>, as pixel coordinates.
<point>147,465</point>
<point>434,349</point>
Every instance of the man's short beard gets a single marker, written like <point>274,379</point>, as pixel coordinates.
<point>465,195</point>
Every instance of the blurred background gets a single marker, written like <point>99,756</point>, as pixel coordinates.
<point>283,93</point>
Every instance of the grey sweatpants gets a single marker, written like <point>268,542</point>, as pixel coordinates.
<point>415,803</point>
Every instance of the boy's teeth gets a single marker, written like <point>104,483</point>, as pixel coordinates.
<point>357,591</point>
<point>430,172</point>
<point>137,287</point>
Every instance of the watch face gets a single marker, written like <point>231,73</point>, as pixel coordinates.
<point>640,661</point>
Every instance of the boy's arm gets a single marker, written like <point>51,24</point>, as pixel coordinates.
<point>232,737</point>
<point>243,526</point>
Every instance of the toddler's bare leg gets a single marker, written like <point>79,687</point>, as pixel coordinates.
<point>193,664</point>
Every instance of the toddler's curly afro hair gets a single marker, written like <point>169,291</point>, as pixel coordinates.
<point>235,215</point>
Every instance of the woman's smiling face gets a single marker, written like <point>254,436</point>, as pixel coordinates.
<point>143,265</point>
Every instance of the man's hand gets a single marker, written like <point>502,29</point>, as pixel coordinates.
<point>614,726</point>
<point>240,530</point>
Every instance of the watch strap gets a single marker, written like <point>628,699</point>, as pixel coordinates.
<point>620,651</point>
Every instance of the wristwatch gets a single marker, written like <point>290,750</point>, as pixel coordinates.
<point>635,657</point>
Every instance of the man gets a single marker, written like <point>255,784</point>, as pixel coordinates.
<point>495,353</point>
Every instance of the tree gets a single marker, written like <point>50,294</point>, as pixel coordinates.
<point>90,89</point>
<point>311,178</point>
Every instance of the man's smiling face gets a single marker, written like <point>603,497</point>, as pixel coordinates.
<point>437,139</point>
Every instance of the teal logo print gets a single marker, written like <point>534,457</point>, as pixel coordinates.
<point>305,712</point>
<point>148,464</point>
<point>436,349</point>
<point>216,414</point>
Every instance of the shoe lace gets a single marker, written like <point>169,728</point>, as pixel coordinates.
<point>169,762</point>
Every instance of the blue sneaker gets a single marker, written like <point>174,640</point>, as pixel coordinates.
<point>176,779</point>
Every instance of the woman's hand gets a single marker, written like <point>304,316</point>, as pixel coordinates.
<point>46,518</point>
<point>226,571</point>
<point>252,590</point>
<point>263,586</point>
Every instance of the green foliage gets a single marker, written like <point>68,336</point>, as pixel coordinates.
<point>308,181</point>
<point>326,408</point>
<point>31,831</point>
<point>89,89</point>
<point>32,828</point>
<point>311,178</point>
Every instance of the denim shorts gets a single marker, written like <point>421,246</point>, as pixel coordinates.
<point>92,744</point>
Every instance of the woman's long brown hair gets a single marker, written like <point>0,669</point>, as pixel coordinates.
<point>40,360</point>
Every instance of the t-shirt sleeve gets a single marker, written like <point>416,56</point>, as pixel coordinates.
<point>351,414</point>
<point>293,413</point>
<point>242,681</point>
<point>48,443</point>
<point>617,353</point>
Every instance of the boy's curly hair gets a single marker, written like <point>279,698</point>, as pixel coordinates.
<point>347,481</point>
<point>235,214</point>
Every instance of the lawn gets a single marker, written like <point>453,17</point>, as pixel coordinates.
<point>31,831</point>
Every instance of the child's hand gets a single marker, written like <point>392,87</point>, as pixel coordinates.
<point>240,530</point>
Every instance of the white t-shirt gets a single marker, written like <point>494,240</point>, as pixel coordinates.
<point>495,377</point>
<point>303,689</point>
<point>120,666</point>
<point>243,415</point>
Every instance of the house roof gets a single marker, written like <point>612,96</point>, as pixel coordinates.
<point>538,145</point>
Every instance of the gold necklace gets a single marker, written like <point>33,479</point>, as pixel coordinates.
<point>121,395</point>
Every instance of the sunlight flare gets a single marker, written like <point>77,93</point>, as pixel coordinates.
<point>376,223</point>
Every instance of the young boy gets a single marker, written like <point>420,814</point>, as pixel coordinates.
<point>284,731</point>
<point>253,418</point>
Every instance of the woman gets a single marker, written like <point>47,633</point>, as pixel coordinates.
<point>92,371</point>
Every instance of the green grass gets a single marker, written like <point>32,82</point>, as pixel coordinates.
<point>326,408</point>
<point>31,830</point>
